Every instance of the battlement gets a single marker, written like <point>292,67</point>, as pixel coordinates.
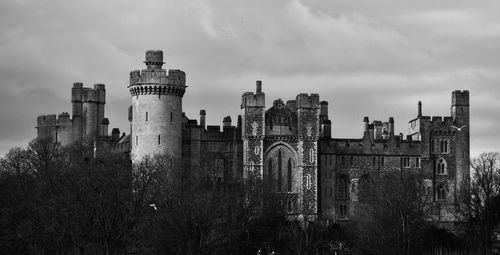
<point>176,77</point>
<point>438,121</point>
<point>154,74</point>
<point>89,95</point>
<point>46,120</point>
<point>397,146</point>
<point>99,86</point>
<point>250,99</point>
<point>460,98</point>
<point>64,117</point>
<point>307,101</point>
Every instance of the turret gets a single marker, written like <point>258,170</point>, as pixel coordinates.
<point>226,121</point>
<point>115,134</point>
<point>77,107</point>
<point>157,109</point>
<point>460,117</point>
<point>91,125</point>
<point>101,101</point>
<point>391,127</point>
<point>366,122</point>
<point>460,107</point>
<point>252,132</point>
<point>104,127</point>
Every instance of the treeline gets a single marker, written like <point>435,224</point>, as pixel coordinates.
<point>63,200</point>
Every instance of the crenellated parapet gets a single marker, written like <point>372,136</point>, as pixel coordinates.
<point>154,80</point>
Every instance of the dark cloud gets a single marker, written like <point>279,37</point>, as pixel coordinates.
<point>367,58</point>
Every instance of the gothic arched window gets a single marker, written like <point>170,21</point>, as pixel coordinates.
<point>441,192</point>
<point>441,166</point>
<point>289,176</point>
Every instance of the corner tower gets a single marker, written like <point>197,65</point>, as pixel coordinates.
<point>461,122</point>
<point>156,109</point>
<point>252,132</point>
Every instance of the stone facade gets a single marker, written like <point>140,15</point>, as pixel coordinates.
<point>289,146</point>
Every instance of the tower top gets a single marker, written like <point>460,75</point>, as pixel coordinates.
<point>154,59</point>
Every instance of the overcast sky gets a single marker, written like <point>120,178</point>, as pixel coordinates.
<point>366,58</point>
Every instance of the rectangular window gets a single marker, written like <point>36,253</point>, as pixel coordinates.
<point>351,161</point>
<point>417,162</point>
<point>159,140</point>
<point>342,160</point>
<point>136,140</point>
<point>171,117</point>
<point>374,161</point>
<point>382,161</point>
<point>406,161</point>
<point>343,211</point>
<point>146,116</point>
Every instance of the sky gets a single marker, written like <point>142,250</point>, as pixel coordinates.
<point>366,58</point>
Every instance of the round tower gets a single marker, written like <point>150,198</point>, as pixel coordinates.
<point>156,109</point>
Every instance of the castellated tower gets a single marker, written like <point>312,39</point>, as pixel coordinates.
<point>252,134</point>
<point>460,117</point>
<point>88,111</point>
<point>156,109</point>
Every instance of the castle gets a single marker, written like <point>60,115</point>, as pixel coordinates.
<point>289,144</point>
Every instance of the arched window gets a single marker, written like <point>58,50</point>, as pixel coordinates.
<point>441,192</point>
<point>342,186</point>
<point>279,171</point>
<point>441,166</point>
<point>289,176</point>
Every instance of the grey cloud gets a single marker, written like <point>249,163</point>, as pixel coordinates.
<point>374,58</point>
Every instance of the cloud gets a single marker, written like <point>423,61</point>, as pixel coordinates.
<point>367,58</point>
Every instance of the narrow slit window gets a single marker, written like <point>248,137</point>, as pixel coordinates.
<point>136,140</point>
<point>171,117</point>
<point>146,116</point>
<point>159,140</point>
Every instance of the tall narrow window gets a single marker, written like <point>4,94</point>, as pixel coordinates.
<point>343,211</point>
<point>441,166</point>
<point>417,162</point>
<point>382,161</point>
<point>171,117</point>
<point>289,176</point>
<point>444,146</point>
<point>374,161</point>
<point>342,187</point>
<point>159,140</point>
<point>433,145</point>
<point>136,140</point>
<point>270,172</point>
<point>406,162</point>
<point>279,170</point>
<point>351,160</point>
<point>146,116</point>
